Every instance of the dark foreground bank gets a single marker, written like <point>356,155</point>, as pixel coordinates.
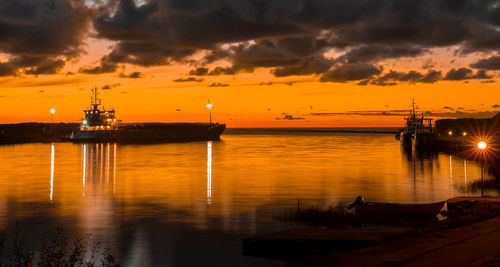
<point>342,237</point>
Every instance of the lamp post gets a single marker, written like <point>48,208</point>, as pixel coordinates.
<point>209,106</point>
<point>53,111</point>
<point>482,146</point>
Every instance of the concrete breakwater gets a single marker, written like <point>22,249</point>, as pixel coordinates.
<point>35,132</point>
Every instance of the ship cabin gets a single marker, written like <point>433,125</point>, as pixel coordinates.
<point>97,118</point>
<point>418,125</point>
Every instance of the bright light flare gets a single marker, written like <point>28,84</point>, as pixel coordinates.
<point>450,133</point>
<point>464,133</point>
<point>481,145</point>
<point>209,106</point>
<point>53,110</point>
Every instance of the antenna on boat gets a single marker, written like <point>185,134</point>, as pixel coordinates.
<point>95,101</point>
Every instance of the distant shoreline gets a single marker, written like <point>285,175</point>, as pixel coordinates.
<point>372,130</point>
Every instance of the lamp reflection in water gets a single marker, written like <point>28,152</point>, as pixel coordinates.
<point>451,176</point>
<point>482,146</point>
<point>52,172</point>
<point>84,167</point>
<point>114,167</point>
<point>209,172</point>
<point>465,178</point>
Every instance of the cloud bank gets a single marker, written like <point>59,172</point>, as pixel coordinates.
<point>290,37</point>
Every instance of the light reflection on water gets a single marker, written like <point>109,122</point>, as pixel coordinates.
<point>161,204</point>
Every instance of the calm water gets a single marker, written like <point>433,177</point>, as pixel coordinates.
<point>191,203</point>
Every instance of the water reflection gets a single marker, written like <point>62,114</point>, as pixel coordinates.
<point>99,164</point>
<point>465,178</point>
<point>52,152</point>
<point>209,172</point>
<point>158,202</point>
<point>423,167</point>
<point>84,159</point>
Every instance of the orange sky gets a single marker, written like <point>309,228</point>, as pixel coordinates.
<point>244,103</point>
<point>253,99</point>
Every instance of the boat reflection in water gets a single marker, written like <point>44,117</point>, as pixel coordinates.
<point>99,166</point>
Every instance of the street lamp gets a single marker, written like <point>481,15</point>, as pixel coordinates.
<point>53,111</point>
<point>481,145</point>
<point>209,106</point>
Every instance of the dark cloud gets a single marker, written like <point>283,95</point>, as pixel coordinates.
<point>427,113</point>
<point>447,107</point>
<point>288,36</point>
<point>431,76</point>
<point>307,66</point>
<point>110,86</point>
<point>395,77</point>
<point>218,85</point>
<point>495,106</point>
<point>133,75</point>
<point>288,117</point>
<point>465,74</point>
<point>491,63</point>
<point>350,72</point>
<point>216,71</point>
<point>489,81</point>
<point>220,70</point>
<point>49,66</point>
<point>374,53</point>
<point>38,36</point>
<point>199,72</point>
<point>428,64</point>
<point>189,79</point>
<point>7,69</point>
<point>104,67</point>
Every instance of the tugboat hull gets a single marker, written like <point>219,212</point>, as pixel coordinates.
<point>152,132</point>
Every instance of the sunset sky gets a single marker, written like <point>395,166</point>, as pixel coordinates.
<point>262,63</point>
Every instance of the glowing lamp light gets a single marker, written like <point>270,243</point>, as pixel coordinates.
<point>450,133</point>
<point>85,122</point>
<point>52,110</point>
<point>209,106</point>
<point>481,145</point>
<point>464,133</point>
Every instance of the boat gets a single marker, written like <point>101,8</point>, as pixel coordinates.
<point>426,210</point>
<point>101,125</point>
<point>418,131</point>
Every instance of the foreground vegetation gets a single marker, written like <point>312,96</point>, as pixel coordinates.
<point>54,251</point>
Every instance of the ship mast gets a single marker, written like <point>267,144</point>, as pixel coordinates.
<point>95,101</point>
<point>413,108</point>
